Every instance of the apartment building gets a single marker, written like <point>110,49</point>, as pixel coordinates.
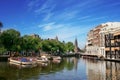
<point>93,41</point>
<point>112,44</point>
<point>104,40</point>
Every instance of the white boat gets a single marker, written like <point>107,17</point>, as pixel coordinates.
<point>14,61</point>
<point>21,66</point>
<point>42,59</point>
<point>21,62</point>
<point>56,61</point>
<point>56,57</point>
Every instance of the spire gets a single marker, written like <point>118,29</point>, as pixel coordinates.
<point>56,38</point>
<point>76,43</point>
<point>76,49</point>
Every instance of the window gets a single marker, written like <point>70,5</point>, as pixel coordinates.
<point>111,36</point>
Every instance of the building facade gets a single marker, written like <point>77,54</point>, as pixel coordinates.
<point>93,41</point>
<point>112,44</point>
<point>104,40</point>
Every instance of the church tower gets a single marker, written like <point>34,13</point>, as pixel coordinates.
<point>76,43</point>
<point>56,38</point>
<point>76,49</point>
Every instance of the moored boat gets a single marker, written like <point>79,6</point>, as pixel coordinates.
<point>21,66</point>
<point>56,58</point>
<point>56,61</point>
<point>42,59</point>
<point>22,61</point>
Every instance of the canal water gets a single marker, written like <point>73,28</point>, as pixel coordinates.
<point>67,69</point>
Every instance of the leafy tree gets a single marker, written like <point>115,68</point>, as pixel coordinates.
<point>46,45</point>
<point>10,39</point>
<point>69,46</point>
<point>30,44</point>
<point>53,46</point>
<point>2,49</point>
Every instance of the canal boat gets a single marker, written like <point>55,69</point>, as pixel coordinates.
<point>22,66</point>
<point>56,57</point>
<point>22,61</point>
<point>42,59</point>
<point>56,61</point>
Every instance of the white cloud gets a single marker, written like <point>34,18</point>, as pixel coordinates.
<point>84,18</point>
<point>45,8</point>
<point>43,25</point>
<point>32,3</point>
<point>41,9</point>
<point>93,19</point>
<point>48,16</point>
<point>46,28</point>
<point>50,26</point>
<point>64,31</point>
<point>67,13</point>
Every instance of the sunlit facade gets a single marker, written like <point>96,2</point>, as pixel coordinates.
<point>99,42</point>
<point>112,44</point>
<point>93,41</point>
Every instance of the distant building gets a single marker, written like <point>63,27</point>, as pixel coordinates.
<point>76,49</point>
<point>35,35</point>
<point>56,38</point>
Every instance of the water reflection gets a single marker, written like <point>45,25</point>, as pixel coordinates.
<point>102,70</point>
<point>95,70</point>
<point>67,69</point>
<point>112,71</point>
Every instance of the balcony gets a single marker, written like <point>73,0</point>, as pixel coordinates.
<point>117,44</point>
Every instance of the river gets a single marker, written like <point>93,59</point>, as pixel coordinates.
<point>68,69</point>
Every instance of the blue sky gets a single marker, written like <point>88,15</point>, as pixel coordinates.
<point>67,19</point>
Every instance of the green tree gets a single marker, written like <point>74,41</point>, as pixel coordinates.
<point>69,46</point>
<point>2,49</point>
<point>30,44</point>
<point>46,46</point>
<point>10,39</point>
<point>52,46</point>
